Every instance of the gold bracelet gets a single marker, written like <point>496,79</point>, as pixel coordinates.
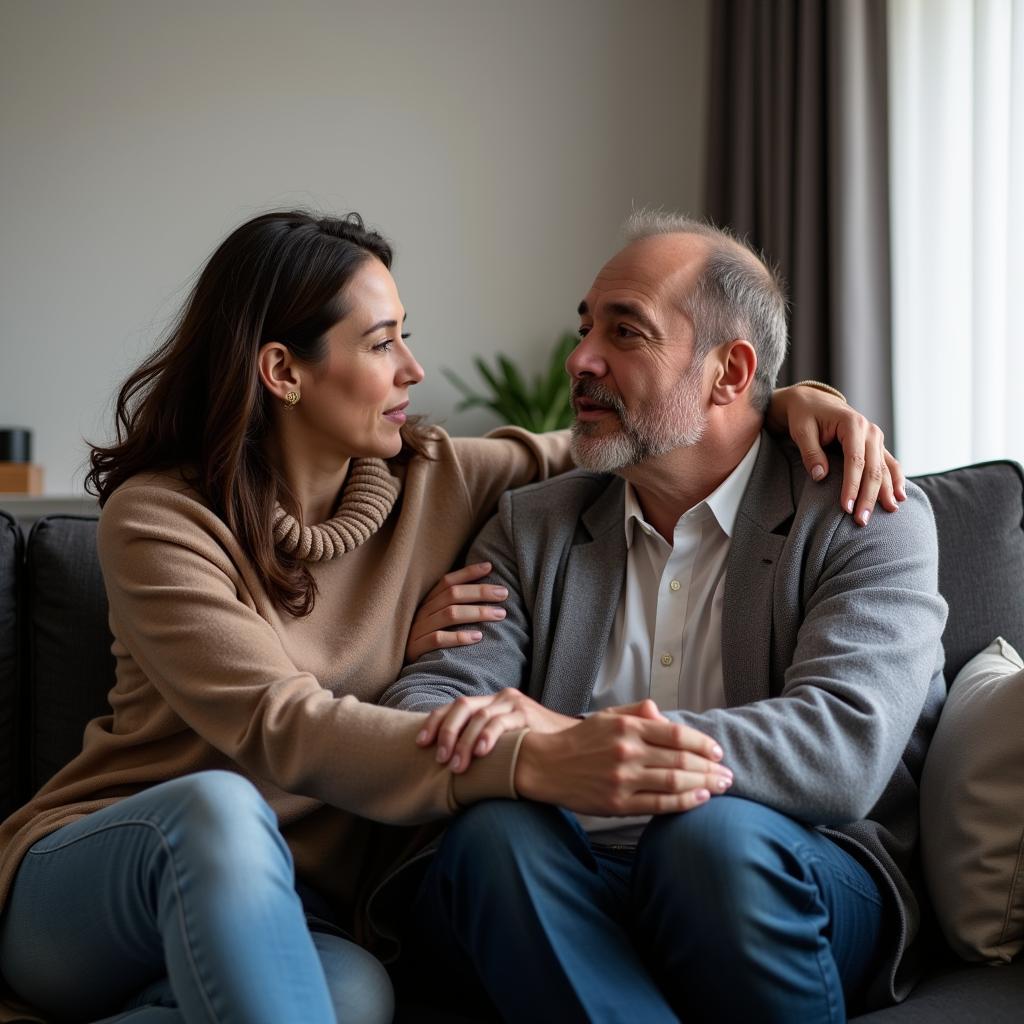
<point>827,388</point>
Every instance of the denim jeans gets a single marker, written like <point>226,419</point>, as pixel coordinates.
<point>730,912</point>
<point>179,904</point>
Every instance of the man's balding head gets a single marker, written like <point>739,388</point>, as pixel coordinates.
<point>732,293</point>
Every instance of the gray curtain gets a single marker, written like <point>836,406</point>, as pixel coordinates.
<point>798,164</point>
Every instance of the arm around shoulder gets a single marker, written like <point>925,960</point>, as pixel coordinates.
<point>506,458</point>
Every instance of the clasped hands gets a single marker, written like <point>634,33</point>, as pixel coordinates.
<point>628,760</point>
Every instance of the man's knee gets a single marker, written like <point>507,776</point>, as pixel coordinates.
<point>726,826</point>
<point>499,828</point>
<point>714,857</point>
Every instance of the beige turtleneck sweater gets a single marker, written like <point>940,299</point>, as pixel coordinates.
<point>211,675</point>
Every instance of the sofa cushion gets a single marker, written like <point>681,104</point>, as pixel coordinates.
<point>959,995</point>
<point>71,669</point>
<point>12,781</point>
<point>979,515</point>
<point>972,809</point>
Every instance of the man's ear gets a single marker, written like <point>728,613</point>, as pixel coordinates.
<point>277,369</point>
<point>733,371</point>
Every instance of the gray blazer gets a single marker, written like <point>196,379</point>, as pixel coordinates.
<point>831,652</point>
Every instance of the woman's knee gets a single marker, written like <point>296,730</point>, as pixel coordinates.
<point>219,827</point>
<point>360,988</point>
<point>212,797</point>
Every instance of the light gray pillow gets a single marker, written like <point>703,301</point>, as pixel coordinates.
<point>972,808</point>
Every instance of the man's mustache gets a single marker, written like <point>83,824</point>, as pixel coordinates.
<point>596,392</point>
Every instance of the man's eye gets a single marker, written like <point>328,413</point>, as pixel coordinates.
<point>582,330</point>
<point>625,332</point>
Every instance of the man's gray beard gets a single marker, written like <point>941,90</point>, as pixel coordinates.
<point>678,421</point>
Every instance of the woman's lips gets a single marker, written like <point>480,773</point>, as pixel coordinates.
<point>397,414</point>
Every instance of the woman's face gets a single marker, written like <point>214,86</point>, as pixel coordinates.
<point>355,399</point>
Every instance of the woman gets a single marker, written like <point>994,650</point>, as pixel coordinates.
<point>157,871</point>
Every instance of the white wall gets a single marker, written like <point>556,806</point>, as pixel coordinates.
<point>499,145</point>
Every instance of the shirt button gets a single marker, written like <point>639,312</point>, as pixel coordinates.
<point>666,660</point>
<point>674,585</point>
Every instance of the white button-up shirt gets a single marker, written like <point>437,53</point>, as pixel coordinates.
<point>666,640</point>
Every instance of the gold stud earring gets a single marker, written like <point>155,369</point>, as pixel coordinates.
<point>291,399</point>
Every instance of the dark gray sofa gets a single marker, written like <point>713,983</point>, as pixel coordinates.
<point>56,669</point>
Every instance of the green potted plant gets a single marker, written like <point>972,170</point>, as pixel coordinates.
<point>538,405</point>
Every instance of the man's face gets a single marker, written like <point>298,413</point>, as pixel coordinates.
<point>636,392</point>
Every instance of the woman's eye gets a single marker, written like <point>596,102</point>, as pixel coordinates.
<point>385,345</point>
<point>583,330</point>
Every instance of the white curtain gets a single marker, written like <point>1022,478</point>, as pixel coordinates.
<point>956,145</point>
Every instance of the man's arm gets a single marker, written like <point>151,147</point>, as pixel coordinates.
<point>616,762</point>
<point>867,655</point>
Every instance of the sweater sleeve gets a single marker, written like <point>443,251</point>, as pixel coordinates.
<point>176,606</point>
<point>507,457</point>
<point>501,659</point>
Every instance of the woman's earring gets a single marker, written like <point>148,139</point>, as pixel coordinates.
<point>291,399</point>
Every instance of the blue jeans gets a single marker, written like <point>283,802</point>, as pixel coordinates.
<point>730,912</point>
<point>179,904</point>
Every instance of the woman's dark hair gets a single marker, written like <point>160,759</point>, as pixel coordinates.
<point>197,402</point>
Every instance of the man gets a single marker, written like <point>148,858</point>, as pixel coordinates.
<point>708,574</point>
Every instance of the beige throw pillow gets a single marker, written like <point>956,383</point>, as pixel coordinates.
<point>972,808</point>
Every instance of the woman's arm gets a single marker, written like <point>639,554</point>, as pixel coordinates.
<point>815,415</point>
<point>183,610</point>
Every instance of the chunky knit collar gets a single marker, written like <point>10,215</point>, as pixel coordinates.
<point>369,495</point>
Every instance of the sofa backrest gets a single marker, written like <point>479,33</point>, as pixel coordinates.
<point>979,512</point>
<point>979,516</point>
<point>70,667</point>
<point>12,733</point>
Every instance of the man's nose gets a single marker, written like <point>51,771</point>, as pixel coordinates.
<point>585,360</point>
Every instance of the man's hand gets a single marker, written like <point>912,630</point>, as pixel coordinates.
<point>622,762</point>
<point>470,726</point>
<point>455,602</point>
<point>814,419</point>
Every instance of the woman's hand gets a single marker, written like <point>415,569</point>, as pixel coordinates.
<point>470,726</point>
<point>454,602</point>
<point>815,418</point>
<point>629,760</point>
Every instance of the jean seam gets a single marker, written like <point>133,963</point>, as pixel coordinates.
<point>833,1015</point>
<point>134,823</point>
<point>808,855</point>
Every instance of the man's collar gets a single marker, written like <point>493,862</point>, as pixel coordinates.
<point>725,499</point>
<point>723,502</point>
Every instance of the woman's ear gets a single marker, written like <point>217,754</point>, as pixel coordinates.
<point>734,367</point>
<point>277,369</point>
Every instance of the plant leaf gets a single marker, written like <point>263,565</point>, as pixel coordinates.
<point>540,405</point>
